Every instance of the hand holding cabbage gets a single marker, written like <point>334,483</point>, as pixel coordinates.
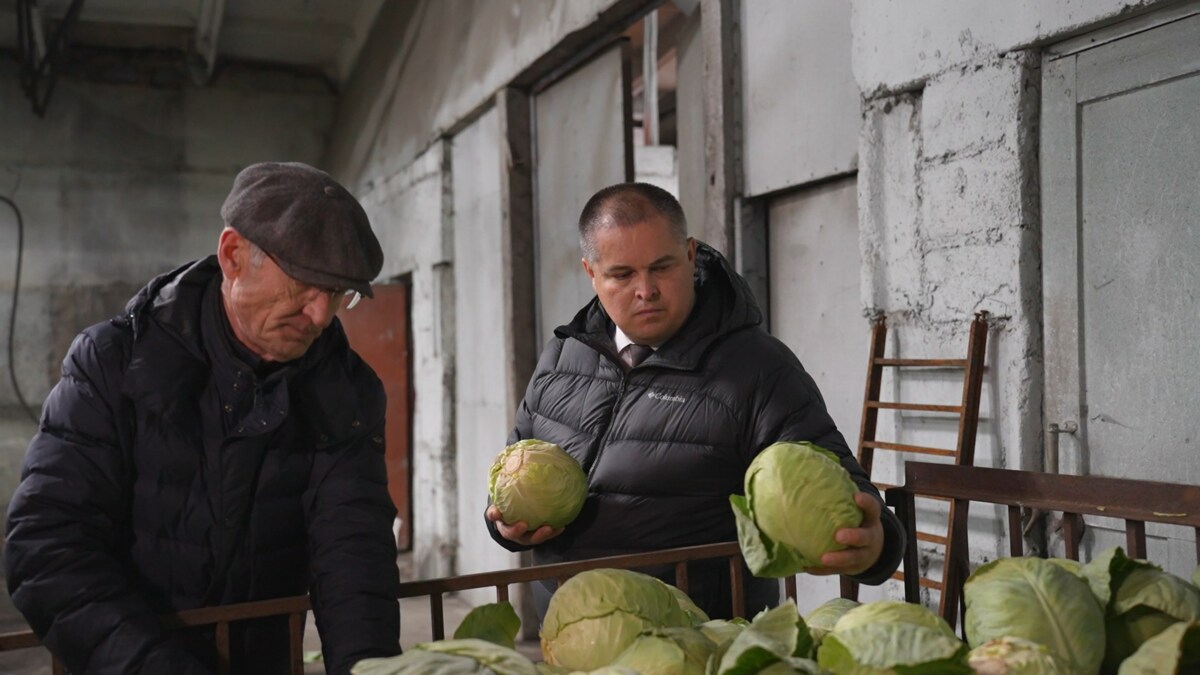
<point>802,512</point>
<point>536,489</point>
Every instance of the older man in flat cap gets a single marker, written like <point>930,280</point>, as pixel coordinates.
<point>218,442</point>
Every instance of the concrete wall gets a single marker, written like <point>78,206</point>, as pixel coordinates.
<point>484,404</point>
<point>116,184</point>
<point>900,45</point>
<point>800,102</point>
<point>949,205</point>
<point>456,54</point>
<point>426,67</point>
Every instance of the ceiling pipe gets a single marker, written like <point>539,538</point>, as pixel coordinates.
<point>203,55</point>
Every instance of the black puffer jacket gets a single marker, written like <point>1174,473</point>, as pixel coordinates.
<point>166,475</point>
<point>666,443</point>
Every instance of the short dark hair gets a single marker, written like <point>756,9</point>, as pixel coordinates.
<point>626,204</point>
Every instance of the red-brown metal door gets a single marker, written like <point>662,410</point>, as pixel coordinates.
<point>378,329</point>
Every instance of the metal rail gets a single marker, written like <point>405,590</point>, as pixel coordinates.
<point>296,607</point>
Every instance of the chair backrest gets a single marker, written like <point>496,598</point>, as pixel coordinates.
<point>1136,501</point>
<point>967,412</point>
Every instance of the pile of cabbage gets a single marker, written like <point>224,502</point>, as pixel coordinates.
<point>1025,616</point>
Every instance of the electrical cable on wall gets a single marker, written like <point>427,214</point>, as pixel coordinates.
<point>12,316</point>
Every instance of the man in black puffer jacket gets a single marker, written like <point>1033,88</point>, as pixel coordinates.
<point>665,440</point>
<point>218,442</point>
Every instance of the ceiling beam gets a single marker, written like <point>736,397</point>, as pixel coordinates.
<point>203,54</point>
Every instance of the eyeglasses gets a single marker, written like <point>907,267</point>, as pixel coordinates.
<point>348,298</point>
<point>340,299</point>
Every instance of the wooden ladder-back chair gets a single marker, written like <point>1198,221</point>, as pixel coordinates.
<point>963,454</point>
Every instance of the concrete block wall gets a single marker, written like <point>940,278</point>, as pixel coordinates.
<point>406,211</point>
<point>116,184</point>
<point>949,204</point>
<point>949,227</point>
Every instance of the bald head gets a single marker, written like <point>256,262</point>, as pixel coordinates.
<point>627,204</point>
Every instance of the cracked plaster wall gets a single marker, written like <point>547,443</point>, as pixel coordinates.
<point>116,184</point>
<point>949,210</point>
<point>949,227</point>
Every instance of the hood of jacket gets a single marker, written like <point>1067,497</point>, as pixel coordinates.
<point>724,304</point>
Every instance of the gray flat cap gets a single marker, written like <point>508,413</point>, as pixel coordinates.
<point>310,225</point>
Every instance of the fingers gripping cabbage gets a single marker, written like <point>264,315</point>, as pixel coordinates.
<point>538,483</point>
<point>797,497</point>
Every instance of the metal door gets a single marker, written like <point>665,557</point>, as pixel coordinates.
<point>378,330</point>
<point>583,142</point>
<point>1121,259</point>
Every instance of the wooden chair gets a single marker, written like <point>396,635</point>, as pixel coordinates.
<point>967,410</point>
<point>1135,501</point>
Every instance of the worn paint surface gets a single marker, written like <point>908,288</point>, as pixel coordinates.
<point>949,227</point>
<point>899,45</point>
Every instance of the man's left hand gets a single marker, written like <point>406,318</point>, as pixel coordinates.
<point>864,543</point>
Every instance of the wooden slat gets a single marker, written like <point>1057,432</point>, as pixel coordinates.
<point>563,571</point>
<point>21,640</point>
<point>915,449</point>
<point>1150,501</point>
<point>681,576</point>
<point>296,642</point>
<point>916,407</point>
<point>1135,539</point>
<point>922,363</point>
<point>1072,525</point>
<point>737,588</point>
<point>220,617</point>
<point>1016,544</point>
<point>501,592</point>
<point>884,487</point>
<point>437,616</point>
<point>925,582</point>
<point>968,424</point>
<point>932,538</point>
<point>222,642</point>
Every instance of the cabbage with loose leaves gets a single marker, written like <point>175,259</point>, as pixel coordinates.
<point>797,496</point>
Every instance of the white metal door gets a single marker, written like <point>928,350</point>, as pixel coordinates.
<point>1121,259</point>
<point>584,142</point>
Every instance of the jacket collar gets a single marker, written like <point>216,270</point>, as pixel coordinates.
<point>176,353</point>
<point>724,304</point>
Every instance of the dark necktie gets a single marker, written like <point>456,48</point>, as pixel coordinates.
<point>633,354</point>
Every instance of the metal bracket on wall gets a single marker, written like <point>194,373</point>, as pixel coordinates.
<point>39,58</point>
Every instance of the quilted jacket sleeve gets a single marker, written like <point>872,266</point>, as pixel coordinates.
<point>355,582</point>
<point>64,524</point>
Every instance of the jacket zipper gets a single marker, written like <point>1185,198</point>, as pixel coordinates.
<point>608,430</point>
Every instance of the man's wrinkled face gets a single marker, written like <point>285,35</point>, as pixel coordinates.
<point>642,275</point>
<point>272,314</point>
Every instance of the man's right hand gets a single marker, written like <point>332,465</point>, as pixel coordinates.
<point>519,531</point>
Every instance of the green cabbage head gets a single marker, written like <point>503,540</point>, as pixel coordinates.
<point>1013,656</point>
<point>450,657</point>
<point>668,651</point>
<point>1140,601</point>
<point>596,614</point>
<point>822,619</point>
<point>1175,651</point>
<point>538,483</point>
<point>797,496</point>
<point>1037,600</point>
<point>689,607</point>
<point>888,637</point>
<point>1147,602</point>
